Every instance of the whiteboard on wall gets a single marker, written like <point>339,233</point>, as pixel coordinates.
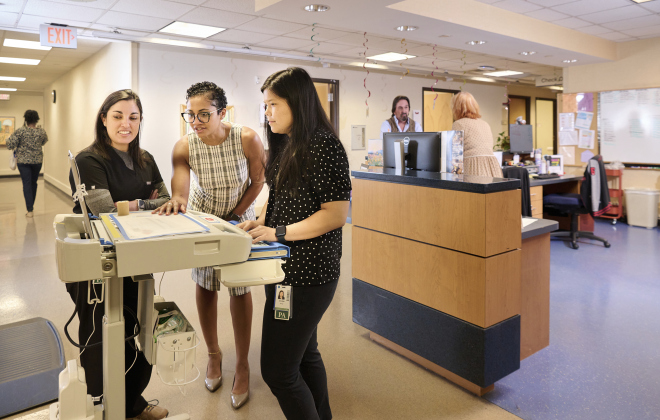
<point>629,125</point>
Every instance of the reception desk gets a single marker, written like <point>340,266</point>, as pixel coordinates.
<point>437,272</point>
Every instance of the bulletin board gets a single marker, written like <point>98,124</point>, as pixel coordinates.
<point>629,125</point>
<point>578,104</point>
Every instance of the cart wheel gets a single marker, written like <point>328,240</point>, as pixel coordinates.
<point>614,221</point>
<point>607,245</point>
<point>574,245</point>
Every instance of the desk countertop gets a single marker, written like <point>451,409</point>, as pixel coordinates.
<point>564,178</point>
<point>539,227</point>
<point>445,181</point>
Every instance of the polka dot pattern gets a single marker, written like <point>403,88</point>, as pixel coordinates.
<point>314,261</point>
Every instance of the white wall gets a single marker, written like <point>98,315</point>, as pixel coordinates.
<point>16,107</point>
<point>80,92</point>
<point>166,72</point>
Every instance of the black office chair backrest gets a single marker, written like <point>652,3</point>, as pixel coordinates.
<point>594,189</point>
<point>517,172</point>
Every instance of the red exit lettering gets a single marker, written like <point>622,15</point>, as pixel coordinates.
<point>60,36</point>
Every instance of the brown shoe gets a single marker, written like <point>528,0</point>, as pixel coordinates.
<point>152,412</point>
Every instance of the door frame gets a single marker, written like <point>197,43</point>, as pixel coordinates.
<point>334,108</point>
<point>554,121</point>
<point>428,89</point>
<point>528,110</point>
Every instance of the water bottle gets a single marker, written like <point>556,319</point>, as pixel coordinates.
<point>537,157</point>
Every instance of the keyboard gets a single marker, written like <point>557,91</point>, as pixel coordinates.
<point>547,176</point>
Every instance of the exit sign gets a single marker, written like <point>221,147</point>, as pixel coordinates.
<point>4,96</point>
<point>58,36</point>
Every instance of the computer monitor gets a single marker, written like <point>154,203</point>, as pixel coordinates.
<point>521,138</point>
<point>422,150</point>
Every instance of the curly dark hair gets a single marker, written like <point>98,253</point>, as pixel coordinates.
<point>213,92</point>
<point>31,116</point>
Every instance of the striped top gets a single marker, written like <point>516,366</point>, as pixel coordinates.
<point>220,175</point>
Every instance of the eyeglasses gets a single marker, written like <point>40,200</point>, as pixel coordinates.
<point>202,117</point>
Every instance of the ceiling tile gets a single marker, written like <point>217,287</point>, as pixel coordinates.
<point>8,19</point>
<point>549,3</point>
<point>193,2</point>
<point>646,32</point>
<point>33,22</point>
<point>518,6</point>
<point>488,1</point>
<point>547,15</point>
<point>96,4</point>
<point>572,23</point>
<point>427,50</point>
<point>242,6</point>
<point>284,43</point>
<point>356,53</point>
<point>583,7</point>
<point>640,22</point>
<point>594,30</point>
<point>653,6</point>
<point>613,15</point>
<point>155,8</point>
<point>326,48</point>
<point>61,11</point>
<point>215,17</point>
<point>271,26</point>
<point>321,34</point>
<point>614,36</point>
<point>241,37</point>
<point>11,6</point>
<point>395,45</point>
<point>130,21</point>
<point>358,39</point>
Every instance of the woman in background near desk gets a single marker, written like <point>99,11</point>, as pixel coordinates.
<point>114,168</point>
<point>478,157</point>
<point>310,187</point>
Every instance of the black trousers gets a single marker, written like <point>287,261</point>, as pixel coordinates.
<point>29,175</point>
<point>291,363</point>
<point>138,377</point>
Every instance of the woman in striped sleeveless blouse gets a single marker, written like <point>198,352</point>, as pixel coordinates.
<point>227,162</point>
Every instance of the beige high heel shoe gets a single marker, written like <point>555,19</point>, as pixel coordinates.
<point>238,400</point>
<point>212,384</point>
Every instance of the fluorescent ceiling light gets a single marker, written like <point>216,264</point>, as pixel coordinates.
<point>191,29</point>
<point>316,8</point>
<point>640,1</point>
<point>12,79</point>
<point>9,89</point>
<point>178,43</point>
<point>482,79</point>
<point>476,42</point>
<point>369,65</point>
<point>12,60</point>
<point>528,53</point>
<point>19,43</point>
<point>390,56</point>
<point>556,88</point>
<point>503,73</point>
<point>570,61</point>
<point>406,28</point>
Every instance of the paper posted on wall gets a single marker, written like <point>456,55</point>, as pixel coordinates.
<point>451,151</point>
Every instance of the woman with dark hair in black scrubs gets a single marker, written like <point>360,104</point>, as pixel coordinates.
<point>308,175</point>
<point>114,168</point>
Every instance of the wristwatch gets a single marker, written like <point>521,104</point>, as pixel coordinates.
<point>235,217</point>
<point>140,204</point>
<point>280,233</point>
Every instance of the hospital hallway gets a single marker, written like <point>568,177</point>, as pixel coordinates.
<point>366,381</point>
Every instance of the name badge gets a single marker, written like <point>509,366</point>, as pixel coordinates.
<point>282,305</point>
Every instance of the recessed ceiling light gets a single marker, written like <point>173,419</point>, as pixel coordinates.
<point>406,28</point>
<point>570,61</point>
<point>191,29</point>
<point>476,42</point>
<point>482,79</point>
<point>391,56</point>
<point>9,89</point>
<point>487,68</point>
<point>19,43</point>
<point>640,1</point>
<point>316,8</point>
<point>503,73</point>
<point>528,53</point>
<point>12,60</point>
<point>12,79</point>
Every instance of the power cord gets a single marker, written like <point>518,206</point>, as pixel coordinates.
<point>160,283</point>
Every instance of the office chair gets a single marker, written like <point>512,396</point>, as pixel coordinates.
<point>593,199</point>
<point>516,172</point>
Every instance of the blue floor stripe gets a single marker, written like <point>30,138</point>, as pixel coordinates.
<point>603,361</point>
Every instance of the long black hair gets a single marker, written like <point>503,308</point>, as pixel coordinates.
<point>290,151</point>
<point>102,143</point>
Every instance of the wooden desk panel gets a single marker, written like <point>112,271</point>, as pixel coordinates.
<point>478,224</point>
<point>482,291</point>
<point>535,295</point>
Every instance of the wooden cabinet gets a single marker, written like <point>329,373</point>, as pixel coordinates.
<point>536,199</point>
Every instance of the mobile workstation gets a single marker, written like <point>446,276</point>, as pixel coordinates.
<point>437,272</point>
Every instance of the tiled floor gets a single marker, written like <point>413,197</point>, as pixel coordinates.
<point>603,361</point>
<point>366,381</point>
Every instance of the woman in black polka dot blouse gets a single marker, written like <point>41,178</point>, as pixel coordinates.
<point>308,176</point>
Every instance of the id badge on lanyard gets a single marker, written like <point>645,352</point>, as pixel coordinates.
<point>282,307</point>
